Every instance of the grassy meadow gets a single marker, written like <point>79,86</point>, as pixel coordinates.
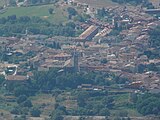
<point>59,15</point>
<point>99,3</point>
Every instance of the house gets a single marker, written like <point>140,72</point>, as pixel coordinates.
<point>152,11</point>
<point>62,56</point>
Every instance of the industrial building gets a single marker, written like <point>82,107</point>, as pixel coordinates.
<point>89,33</point>
<point>152,11</point>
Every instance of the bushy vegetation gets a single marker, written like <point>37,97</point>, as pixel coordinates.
<point>128,1</point>
<point>145,3</point>
<point>33,2</point>
<point>155,37</point>
<point>51,79</point>
<point>94,103</point>
<point>2,79</point>
<point>71,11</point>
<point>89,103</point>
<point>42,1</point>
<point>148,104</point>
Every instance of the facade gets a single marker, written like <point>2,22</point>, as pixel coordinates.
<point>75,61</point>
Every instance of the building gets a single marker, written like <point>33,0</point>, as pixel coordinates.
<point>152,11</point>
<point>89,33</point>
<point>75,61</point>
<point>62,56</point>
<point>20,78</point>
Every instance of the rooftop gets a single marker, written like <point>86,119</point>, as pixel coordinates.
<point>16,78</point>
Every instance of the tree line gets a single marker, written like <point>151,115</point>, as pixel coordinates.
<point>16,26</point>
<point>32,2</point>
<point>52,79</point>
<point>147,103</point>
<point>155,37</point>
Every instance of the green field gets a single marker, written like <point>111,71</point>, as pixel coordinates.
<point>120,105</point>
<point>57,17</point>
<point>1,2</point>
<point>155,3</point>
<point>99,3</point>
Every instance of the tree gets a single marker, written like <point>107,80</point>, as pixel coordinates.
<point>27,103</point>
<point>86,17</point>
<point>101,12</point>
<point>120,80</point>
<point>22,117</point>
<point>79,18</point>
<point>104,112</point>
<point>21,90</point>
<point>71,11</point>
<point>108,102</point>
<point>15,110</point>
<point>71,24</point>
<point>20,0</point>
<point>2,79</point>
<point>152,67</point>
<point>133,97</point>
<point>3,20</point>
<point>141,68</point>
<point>154,37</point>
<point>57,115</point>
<point>82,97</point>
<point>12,18</point>
<point>35,112</point>
<point>1,7</point>
<point>133,2</point>
<point>148,104</point>
<point>123,113</point>
<point>24,19</point>
<point>50,10</point>
<point>62,108</point>
<point>104,61</point>
<point>12,2</point>
<point>17,26</point>
<point>82,118</point>
<point>21,99</point>
<point>34,1</point>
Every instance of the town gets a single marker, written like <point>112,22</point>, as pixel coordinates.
<point>118,44</point>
